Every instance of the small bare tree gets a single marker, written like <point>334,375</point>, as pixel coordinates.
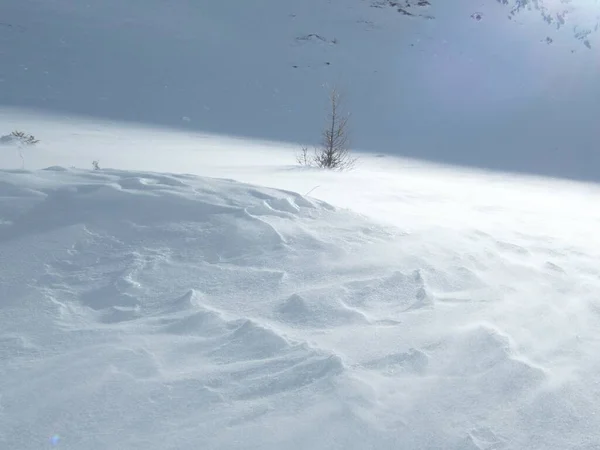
<point>334,152</point>
<point>23,140</point>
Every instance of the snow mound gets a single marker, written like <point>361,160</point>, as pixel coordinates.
<point>319,311</point>
<point>152,310</point>
<point>103,253</point>
<point>497,369</point>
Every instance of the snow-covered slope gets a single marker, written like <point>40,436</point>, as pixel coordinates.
<point>144,310</point>
<point>202,291</point>
<point>488,93</point>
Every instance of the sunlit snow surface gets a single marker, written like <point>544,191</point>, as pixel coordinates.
<point>398,306</point>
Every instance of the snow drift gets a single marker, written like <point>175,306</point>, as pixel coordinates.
<point>142,311</point>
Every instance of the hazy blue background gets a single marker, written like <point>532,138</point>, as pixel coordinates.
<point>486,93</point>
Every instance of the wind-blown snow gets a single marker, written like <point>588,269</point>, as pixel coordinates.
<point>151,310</point>
<point>200,290</point>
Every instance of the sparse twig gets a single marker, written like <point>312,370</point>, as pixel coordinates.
<point>312,190</point>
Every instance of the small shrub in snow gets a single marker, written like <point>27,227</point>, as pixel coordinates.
<point>22,140</point>
<point>304,158</point>
<point>96,164</point>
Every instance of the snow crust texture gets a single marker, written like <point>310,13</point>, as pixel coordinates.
<point>142,311</point>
